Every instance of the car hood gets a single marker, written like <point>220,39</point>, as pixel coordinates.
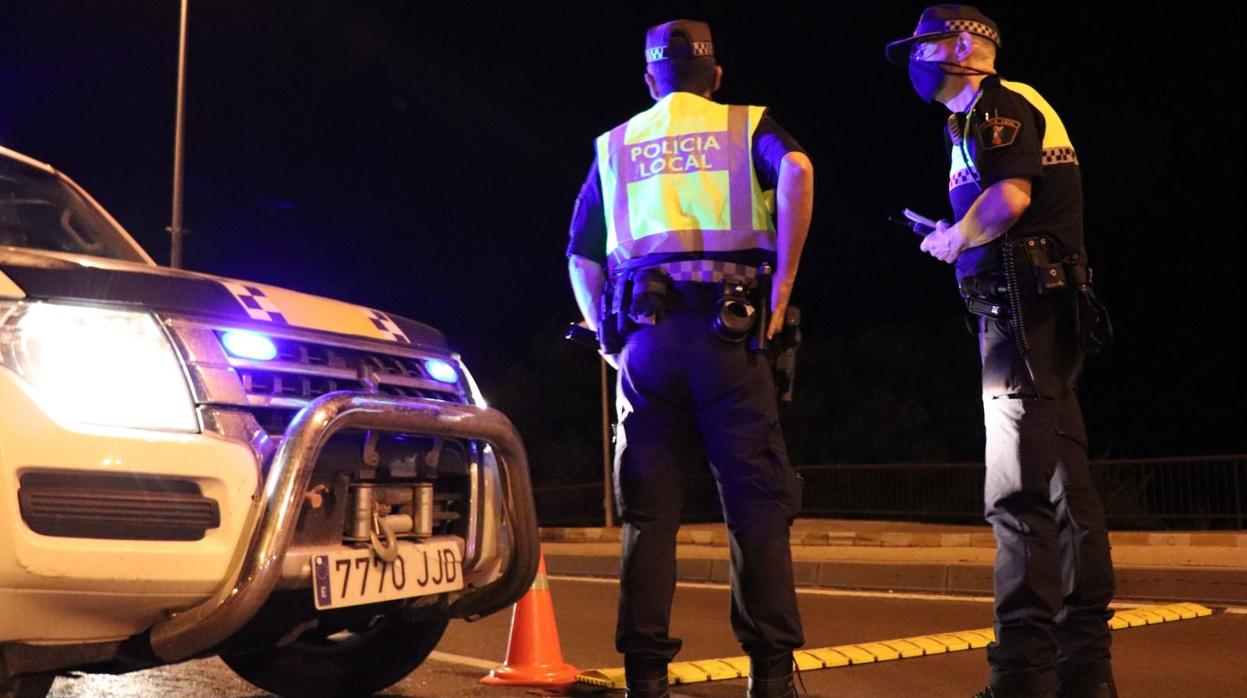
<point>42,275</point>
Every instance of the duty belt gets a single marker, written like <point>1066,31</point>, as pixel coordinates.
<point>707,270</point>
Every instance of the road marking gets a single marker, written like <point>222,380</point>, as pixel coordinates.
<point>888,650</point>
<point>460,659</point>
<point>907,595</point>
<point>853,593</point>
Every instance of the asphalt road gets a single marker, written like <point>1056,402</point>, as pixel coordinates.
<point>1204,658</point>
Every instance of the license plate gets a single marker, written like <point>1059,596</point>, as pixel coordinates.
<point>351,578</point>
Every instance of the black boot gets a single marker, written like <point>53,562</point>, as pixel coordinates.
<point>772,688</point>
<point>771,677</point>
<point>648,688</point>
<point>1103,689</point>
<point>990,692</point>
<point>646,677</point>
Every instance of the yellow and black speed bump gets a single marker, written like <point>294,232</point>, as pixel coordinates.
<point>873,652</point>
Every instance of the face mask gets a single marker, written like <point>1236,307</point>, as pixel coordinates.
<point>929,76</point>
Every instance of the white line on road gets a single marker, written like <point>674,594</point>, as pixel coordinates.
<point>906,595</point>
<point>804,590</point>
<point>460,659</point>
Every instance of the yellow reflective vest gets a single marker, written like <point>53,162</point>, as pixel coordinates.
<point>679,178</point>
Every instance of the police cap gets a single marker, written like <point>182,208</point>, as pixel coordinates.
<point>679,38</point>
<point>942,21</point>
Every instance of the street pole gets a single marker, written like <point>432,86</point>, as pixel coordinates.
<point>175,227</point>
<point>608,504</point>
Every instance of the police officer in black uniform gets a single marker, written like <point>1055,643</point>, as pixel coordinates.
<point>677,203</point>
<point>1021,265</point>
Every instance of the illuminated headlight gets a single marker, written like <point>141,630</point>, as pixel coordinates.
<point>98,366</point>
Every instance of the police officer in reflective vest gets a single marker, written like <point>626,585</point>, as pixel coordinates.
<point>687,201</point>
<point>1021,264</point>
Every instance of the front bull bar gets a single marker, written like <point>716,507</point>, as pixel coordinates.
<point>255,568</point>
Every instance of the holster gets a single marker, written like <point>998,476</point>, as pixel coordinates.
<point>632,298</point>
<point>986,295</point>
<point>784,354</point>
<point>1095,327</point>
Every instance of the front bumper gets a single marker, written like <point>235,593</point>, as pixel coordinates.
<point>256,568</point>
<point>67,590</point>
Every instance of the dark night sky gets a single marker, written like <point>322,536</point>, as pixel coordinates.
<point>423,160</point>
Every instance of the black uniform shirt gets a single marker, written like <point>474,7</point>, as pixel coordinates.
<point>588,227</point>
<point>1005,139</point>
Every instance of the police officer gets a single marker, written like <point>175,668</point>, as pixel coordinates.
<point>1017,245</point>
<point>680,197</point>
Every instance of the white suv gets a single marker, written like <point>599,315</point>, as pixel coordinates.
<point>192,466</point>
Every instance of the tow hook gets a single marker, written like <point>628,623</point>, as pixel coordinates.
<point>384,526</point>
<point>315,497</point>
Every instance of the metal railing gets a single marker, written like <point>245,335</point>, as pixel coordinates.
<point>1191,493</point>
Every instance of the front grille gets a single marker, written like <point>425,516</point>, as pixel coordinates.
<point>307,366</point>
<point>306,353</point>
<point>282,382</point>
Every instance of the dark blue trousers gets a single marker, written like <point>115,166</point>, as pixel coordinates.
<point>685,397</point>
<point>1054,573</point>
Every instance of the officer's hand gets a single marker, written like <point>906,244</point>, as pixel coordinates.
<point>777,320</point>
<point>945,243</point>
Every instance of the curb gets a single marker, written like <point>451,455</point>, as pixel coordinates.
<point>1213,586</point>
<point>718,538</point>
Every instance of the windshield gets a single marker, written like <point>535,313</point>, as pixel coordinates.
<point>38,210</point>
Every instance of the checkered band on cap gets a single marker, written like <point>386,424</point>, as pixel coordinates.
<point>969,25</point>
<point>695,49</point>
<point>707,271</point>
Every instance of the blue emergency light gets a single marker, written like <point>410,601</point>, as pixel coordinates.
<point>442,371</point>
<point>249,345</point>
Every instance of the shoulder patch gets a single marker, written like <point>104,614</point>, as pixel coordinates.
<point>999,132</point>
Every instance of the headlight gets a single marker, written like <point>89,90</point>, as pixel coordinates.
<point>98,366</point>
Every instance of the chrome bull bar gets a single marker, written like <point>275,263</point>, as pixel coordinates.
<point>255,568</point>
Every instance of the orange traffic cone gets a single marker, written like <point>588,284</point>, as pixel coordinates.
<point>533,654</point>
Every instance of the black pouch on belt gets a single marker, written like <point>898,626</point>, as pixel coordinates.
<point>1045,263</point>
<point>648,302</point>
